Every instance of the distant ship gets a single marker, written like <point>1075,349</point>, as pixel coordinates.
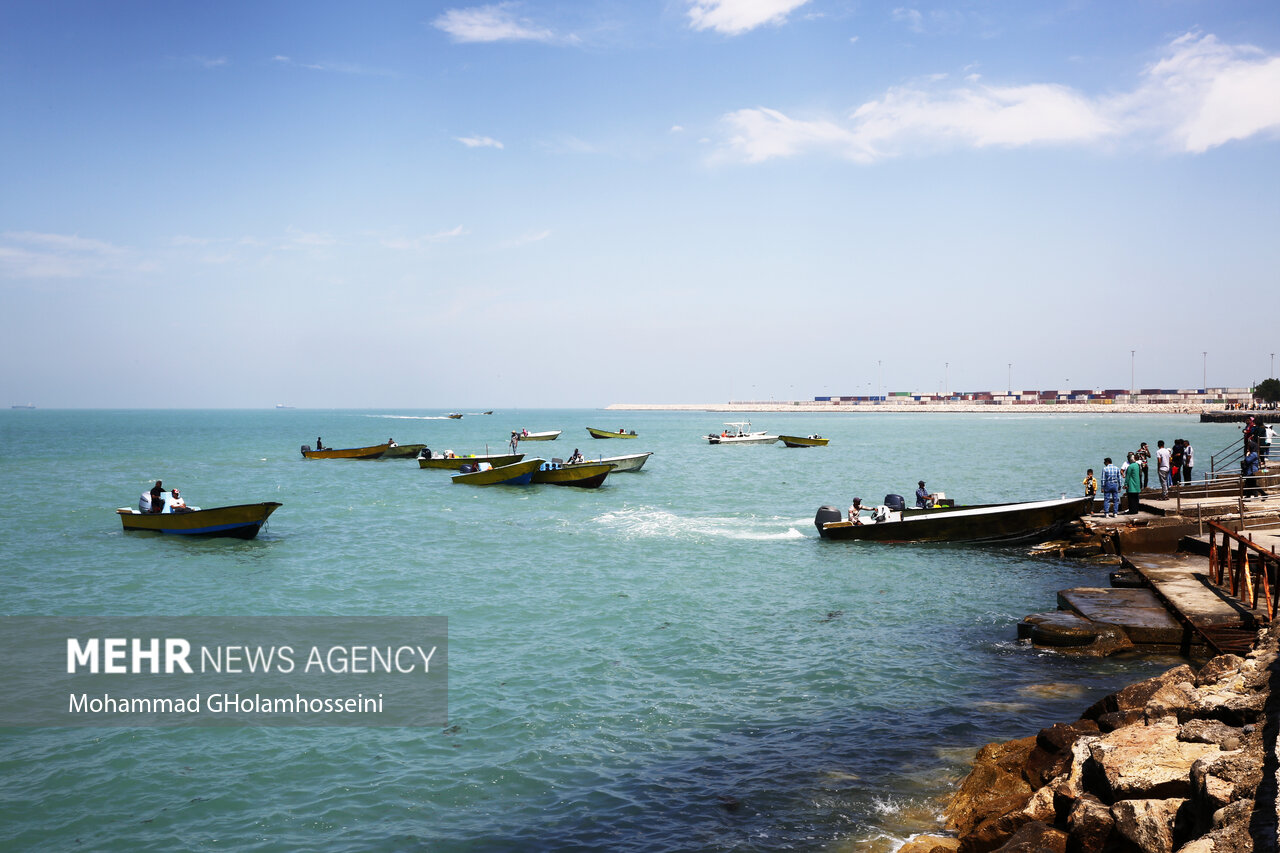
<point>283,406</point>
<point>27,406</point>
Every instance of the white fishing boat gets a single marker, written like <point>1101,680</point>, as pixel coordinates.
<point>740,433</point>
<point>549,435</point>
<point>630,462</point>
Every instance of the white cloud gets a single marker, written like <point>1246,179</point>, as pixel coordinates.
<point>734,17</point>
<point>675,128</point>
<point>479,141</point>
<point>1201,95</point>
<point>526,239</point>
<point>424,240</point>
<point>334,67</point>
<point>490,23</point>
<point>34,255</point>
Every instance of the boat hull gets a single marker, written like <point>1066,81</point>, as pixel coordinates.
<point>515,474</point>
<point>584,476</point>
<point>742,439</point>
<point>803,441</point>
<point>403,451</point>
<point>604,433</point>
<point>622,464</point>
<point>371,452</point>
<point>242,521</point>
<point>455,463</point>
<point>1019,522</point>
<point>551,435</point>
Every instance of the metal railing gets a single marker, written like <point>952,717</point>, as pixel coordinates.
<point>1250,569</point>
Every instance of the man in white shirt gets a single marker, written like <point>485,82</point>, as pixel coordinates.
<point>1163,457</point>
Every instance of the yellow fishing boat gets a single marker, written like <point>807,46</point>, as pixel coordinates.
<point>371,452</point>
<point>803,440</point>
<point>455,463</point>
<point>604,433</point>
<point>582,476</point>
<point>242,521</point>
<point>515,474</point>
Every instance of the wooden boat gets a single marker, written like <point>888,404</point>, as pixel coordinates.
<point>455,416</point>
<point>371,452</point>
<point>604,433</point>
<point>515,474</point>
<point>803,441</point>
<point>622,464</point>
<point>403,451</point>
<point>242,521</point>
<point>549,435</point>
<point>583,475</point>
<point>455,463</point>
<point>1010,522</point>
<point>740,433</point>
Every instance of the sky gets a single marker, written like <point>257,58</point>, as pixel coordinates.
<point>571,204</point>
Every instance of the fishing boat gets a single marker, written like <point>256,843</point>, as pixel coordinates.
<point>1009,522</point>
<point>450,462</point>
<point>584,475</point>
<point>373,451</point>
<point>403,451</point>
<point>455,416</point>
<point>740,433</point>
<point>604,433</point>
<point>515,474</point>
<point>622,464</point>
<point>549,435</point>
<point>24,406</point>
<point>803,441</point>
<point>242,521</point>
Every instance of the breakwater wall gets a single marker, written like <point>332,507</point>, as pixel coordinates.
<point>1184,762</point>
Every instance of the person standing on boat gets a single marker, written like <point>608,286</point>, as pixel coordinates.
<point>924,500</point>
<point>515,440</point>
<point>1110,488</point>
<point>319,446</point>
<point>1133,485</point>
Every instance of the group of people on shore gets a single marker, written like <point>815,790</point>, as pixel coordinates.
<point>1257,447</point>
<point>1173,466</point>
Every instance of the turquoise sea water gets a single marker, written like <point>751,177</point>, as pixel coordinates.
<point>671,662</point>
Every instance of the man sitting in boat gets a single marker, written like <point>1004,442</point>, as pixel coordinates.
<point>176,503</point>
<point>855,512</point>
<point>576,457</point>
<point>924,500</point>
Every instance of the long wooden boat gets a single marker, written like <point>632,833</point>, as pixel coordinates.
<point>803,440</point>
<point>1011,522</point>
<point>455,416</point>
<point>242,521</point>
<point>604,433</point>
<point>373,451</point>
<point>548,435</point>
<point>740,433</point>
<point>455,463</point>
<point>403,451</point>
<point>586,476</point>
<point>515,474</point>
<point>622,464</point>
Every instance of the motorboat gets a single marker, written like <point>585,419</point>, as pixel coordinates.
<point>1007,522</point>
<point>583,475</point>
<point>450,462</point>
<point>242,521</point>
<point>740,433</point>
<point>549,435</point>
<point>604,433</point>
<point>622,464</point>
<point>373,451</point>
<point>515,474</point>
<point>803,440</point>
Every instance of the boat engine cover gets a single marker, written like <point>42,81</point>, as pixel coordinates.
<point>825,514</point>
<point>895,502</point>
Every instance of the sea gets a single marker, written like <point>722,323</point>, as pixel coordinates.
<point>674,661</point>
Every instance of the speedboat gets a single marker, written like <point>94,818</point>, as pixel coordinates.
<point>740,433</point>
<point>622,464</point>
<point>804,440</point>
<point>549,435</point>
<point>1009,522</point>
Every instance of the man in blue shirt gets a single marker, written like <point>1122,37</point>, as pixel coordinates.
<point>1249,468</point>
<point>924,500</point>
<point>1111,481</point>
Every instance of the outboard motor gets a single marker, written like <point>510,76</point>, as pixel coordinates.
<point>895,503</point>
<point>306,448</point>
<point>825,514</point>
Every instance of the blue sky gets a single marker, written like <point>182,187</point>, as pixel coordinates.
<point>529,204</point>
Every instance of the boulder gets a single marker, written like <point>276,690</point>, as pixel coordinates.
<point>1036,837</point>
<point>1178,700</point>
<point>1135,696</point>
<point>930,844</point>
<point>1153,826</point>
<point>1119,719</point>
<point>1144,762</point>
<point>1052,754</point>
<point>1218,668</point>
<point>993,787</point>
<point>1226,738</point>
<point>1090,824</point>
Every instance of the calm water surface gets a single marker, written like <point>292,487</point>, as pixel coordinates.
<point>673,661</point>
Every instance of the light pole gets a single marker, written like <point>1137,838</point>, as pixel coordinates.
<point>1204,371</point>
<point>1131,352</point>
<point>1009,379</point>
<point>948,373</point>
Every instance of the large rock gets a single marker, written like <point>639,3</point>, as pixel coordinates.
<point>993,788</point>
<point>1154,826</point>
<point>1090,824</point>
<point>930,844</point>
<point>1052,754</point>
<point>1135,696</point>
<point>1216,669</point>
<point>1145,762</point>
<point>1226,738</point>
<point>1036,837</point>
<point>1178,700</point>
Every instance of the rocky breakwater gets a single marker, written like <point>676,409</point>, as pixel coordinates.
<point>1181,762</point>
